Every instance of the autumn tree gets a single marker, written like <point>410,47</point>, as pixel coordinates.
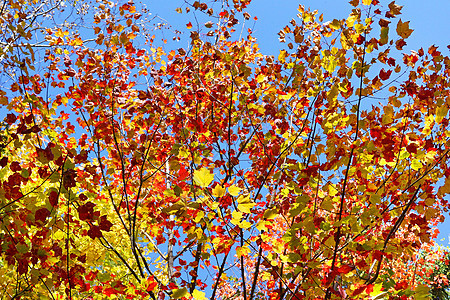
<point>133,170</point>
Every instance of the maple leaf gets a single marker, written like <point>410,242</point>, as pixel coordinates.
<point>3,161</point>
<point>41,215</point>
<point>10,119</point>
<point>384,75</point>
<point>395,9</point>
<point>86,211</point>
<point>105,225</point>
<point>69,178</point>
<point>403,29</point>
<point>179,293</point>
<point>94,232</point>
<point>203,177</point>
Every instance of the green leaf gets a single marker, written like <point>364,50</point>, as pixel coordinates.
<point>384,36</point>
<point>203,177</point>
<point>22,248</point>
<point>422,292</point>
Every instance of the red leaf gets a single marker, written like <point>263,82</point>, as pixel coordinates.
<point>70,72</point>
<point>411,148</point>
<point>400,44</point>
<point>67,61</point>
<point>182,173</point>
<point>53,198</point>
<point>86,211</point>
<point>94,232</point>
<point>391,62</point>
<point>22,266</point>
<point>345,269</point>
<point>105,225</point>
<point>384,75</point>
<point>109,291</point>
<point>360,40</point>
<point>401,286</point>
<point>15,166</point>
<point>14,179</point>
<point>152,286</point>
<point>10,118</point>
<point>3,161</point>
<point>69,178</point>
<point>369,289</point>
<point>359,290</point>
<point>41,214</point>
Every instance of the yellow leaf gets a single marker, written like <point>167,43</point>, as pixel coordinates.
<point>200,215</point>
<point>61,33</point>
<point>260,78</point>
<point>388,114</point>
<point>245,204</point>
<point>234,190</point>
<point>332,94</point>
<point>271,213</point>
<point>403,29</point>
<point>236,217</point>
<point>242,251</point>
<point>416,164</point>
<point>218,191</point>
<point>119,28</point>
<point>445,188</point>
<point>441,112</point>
<point>367,2</point>
<point>354,3</point>
<point>282,56</point>
<point>245,225</point>
<point>203,177</point>
<point>198,295</point>
<point>179,293</point>
<point>394,8</point>
<point>336,24</point>
<point>351,20</point>
<point>330,64</point>
<point>377,292</point>
<point>375,199</point>
<point>245,207</point>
